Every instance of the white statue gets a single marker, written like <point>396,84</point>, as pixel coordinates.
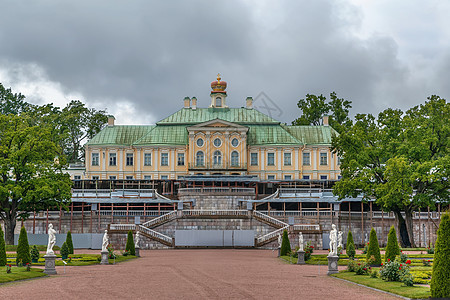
<point>137,239</point>
<point>339,244</point>
<point>51,239</point>
<point>105,242</point>
<point>333,241</point>
<point>280,240</point>
<point>300,241</point>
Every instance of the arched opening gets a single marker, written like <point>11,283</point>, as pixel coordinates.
<point>234,159</point>
<point>217,158</point>
<point>200,159</point>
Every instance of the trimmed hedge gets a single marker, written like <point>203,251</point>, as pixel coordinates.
<point>64,250</point>
<point>130,244</point>
<point>440,278</point>
<point>392,248</point>
<point>23,248</point>
<point>69,242</point>
<point>350,249</point>
<point>374,249</point>
<point>285,244</point>
<point>3,260</point>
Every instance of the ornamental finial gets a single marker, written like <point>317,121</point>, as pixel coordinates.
<point>218,77</point>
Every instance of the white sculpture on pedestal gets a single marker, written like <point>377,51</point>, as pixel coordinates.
<point>137,239</point>
<point>300,241</point>
<point>280,240</point>
<point>333,241</point>
<point>339,244</point>
<point>105,242</point>
<point>51,239</point>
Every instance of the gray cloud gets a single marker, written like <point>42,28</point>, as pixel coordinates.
<point>153,53</point>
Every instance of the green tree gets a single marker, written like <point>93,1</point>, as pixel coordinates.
<point>11,103</point>
<point>440,278</point>
<point>285,244</point>
<point>31,179</point>
<point>350,249</point>
<point>64,250</point>
<point>373,253</point>
<point>3,260</point>
<point>23,249</point>
<point>69,242</point>
<point>130,244</point>
<point>392,248</point>
<point>400,159</point>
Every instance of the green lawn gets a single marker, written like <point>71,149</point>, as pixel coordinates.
<point>19,274</point>
<point>388,286</point>
<point>77,260</point>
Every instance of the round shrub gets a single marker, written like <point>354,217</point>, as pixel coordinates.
<point>130,244</point>
<point>350,249</point>
<point>69,242</point>
<point>392,248</point>
<point>285,244</point>
<point>3,260</point>
<point>440,279</point>
<point>23,249</point>
<point>373,255</point>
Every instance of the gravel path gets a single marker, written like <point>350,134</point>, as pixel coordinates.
<point>192,274</point>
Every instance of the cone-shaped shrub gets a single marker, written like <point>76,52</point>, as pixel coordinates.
<point>440,278</point>
<point>2,249</point>
<point>392,248</point>
<point>130,244</point>
<point>64,250</point>
<point>373,256</point>
<point>69,242</point>
<point>23,249</point>
<point>285,244</point>
<point>350,250</point>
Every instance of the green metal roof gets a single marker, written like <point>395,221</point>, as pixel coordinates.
<point>120,135</point>
<point>312,134</point>
<point>270,135</point>
<point>235,115</point>
<point>165,135</point>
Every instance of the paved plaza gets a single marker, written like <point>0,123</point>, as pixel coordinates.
<point>192,274</point>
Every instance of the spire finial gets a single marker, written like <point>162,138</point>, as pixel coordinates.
<point>218,77</point>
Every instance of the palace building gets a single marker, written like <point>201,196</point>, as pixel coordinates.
<point>216,140</point>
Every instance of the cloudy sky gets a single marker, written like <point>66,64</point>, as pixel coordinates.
<point>139,59</point>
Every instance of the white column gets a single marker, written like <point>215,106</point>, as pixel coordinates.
<point>138,163</point>
<point>120,159</point>
<point>296,164</point>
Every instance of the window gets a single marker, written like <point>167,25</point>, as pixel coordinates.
<point>147,177</point>
<point>180,159</point>
<point>129,177</point>
<point>254,159</point>
<point>234,142</point>
<point>200,159</point>
<point>339,177</point>
<point>112,159</point>
<point>271,159</point>
<point>271,177</point>
<point>164,159</point>
<point>112,177</point>
<point>200,142</point>
<point>305,177</point>
<point>234,159</point>
<point>217,158</point>
<point>287,177</point>
<point>217,142</point>
<point>323,177</point>
<point>164,177</point>
<point>323,158</point>
<point>95,177</point>
<point>219,102</point>
<point>287,159</point>
<point>147,159</point>
<point>129,159</point>
<point>306,159</point>
<point>77,177</point>
<point>95,159</point>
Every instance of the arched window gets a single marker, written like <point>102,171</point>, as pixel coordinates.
<point>218,102</point>
<point>234,158</point>
<point>217,158</point>
<point>200,159</point>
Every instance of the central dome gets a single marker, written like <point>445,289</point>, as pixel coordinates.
<point>219,86</point>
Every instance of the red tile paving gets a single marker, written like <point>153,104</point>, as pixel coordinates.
<point>192,274</point>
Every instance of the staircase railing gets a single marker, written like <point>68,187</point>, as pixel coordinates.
<point>268,219</point>
<point>162,238</point>
<point>161,219</point>
<point>264,239</point>
<point>212,213</point>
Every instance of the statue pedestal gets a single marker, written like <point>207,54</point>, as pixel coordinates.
<point>105,258</point>
<point>137,251</point>
<point>279,252</point>
<point>301,257</point>
<point>50,264</point>
<point>333,264</point>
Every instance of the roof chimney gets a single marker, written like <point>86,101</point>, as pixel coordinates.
<point>249,102</point>
<point>325,120</point>
<point>111,120</point>
<point>187,102</point>
<point>194,103</point>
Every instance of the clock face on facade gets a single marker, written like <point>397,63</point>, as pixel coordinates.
<point>234,142</point>
<point>200,142</point>
<point>217,142</point>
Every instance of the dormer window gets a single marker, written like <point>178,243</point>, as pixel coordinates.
<point>218,102</point>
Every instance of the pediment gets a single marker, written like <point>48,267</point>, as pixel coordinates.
<point>217,124</point>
